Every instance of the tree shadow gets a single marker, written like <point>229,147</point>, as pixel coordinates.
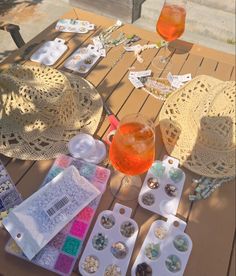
<point>7,5</point>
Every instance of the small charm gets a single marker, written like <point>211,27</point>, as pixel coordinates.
<point>90,264</point>
<point>158,169</point>
<point>176,175</point>
<point>161,232</point>
<point>143,269</point>
<point>152,251</point>
<point>127,229</point>
<point>88,61</point>
<point>181,243</point>
<point>171,190</point>
<point>113,270</point>
<point>100,241</point>
<point>148,199</point>
<point>82,68</point>
<point>119,250</point>
<point>153,183</point>
<point>107,221</point>
<point>173,263</point>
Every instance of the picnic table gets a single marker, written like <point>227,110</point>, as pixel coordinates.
<point>211,222</point>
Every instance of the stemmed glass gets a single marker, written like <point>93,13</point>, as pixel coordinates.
<point>170,26</point>
<point>132,152</point>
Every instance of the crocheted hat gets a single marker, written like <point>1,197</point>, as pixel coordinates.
<point>41,109</point>
<point>198,126</point>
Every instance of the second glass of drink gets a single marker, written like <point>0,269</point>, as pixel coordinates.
<point>132,152</point>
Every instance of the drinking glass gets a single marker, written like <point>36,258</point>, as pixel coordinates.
<point>132,152</point>
<point>170,26</point>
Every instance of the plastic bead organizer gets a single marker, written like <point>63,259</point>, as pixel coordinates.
<point>83,59</point>
<point>61,253</point>
<point>162,187</point>
<point>165,250</point>
<point>111,243</point>
<point>9,196</point>
<point>74,26</point>
<point>50,52</point>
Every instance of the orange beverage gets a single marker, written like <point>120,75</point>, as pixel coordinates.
<point>171,22</point>
<point>132,149</point>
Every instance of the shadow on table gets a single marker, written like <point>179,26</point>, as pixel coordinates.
<point>180,47</point>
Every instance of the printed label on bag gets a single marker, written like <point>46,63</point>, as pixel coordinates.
<point>57,206</point>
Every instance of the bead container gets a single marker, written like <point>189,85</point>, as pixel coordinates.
<point>83,59</point>
<point>116,234</point>
<point>165,250</point>
<point>9,196</point>
<point>64,249</point>
<point>162,187</point>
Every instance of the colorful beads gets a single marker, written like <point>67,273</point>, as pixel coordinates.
<point>153,183</point>
<point>99,241</point>
<point>107,221</point>
<point>171,190</point>
<point>113,270</point>
<point>160,232</point>
<point>173,263</point>
<point>143,269</point>
<point>152,251</point>
<point>127,229</point>
<point>119,250</point>
<point>148,199</point>
<point>158,169</point>
<point>90,264</point>
<point>181,243</point>
<point>176,174</point>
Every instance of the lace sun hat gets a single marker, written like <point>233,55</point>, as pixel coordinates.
<point>197,123</point>
<point>41,109</point>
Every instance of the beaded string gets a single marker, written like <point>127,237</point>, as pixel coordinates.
<point>206,186</point>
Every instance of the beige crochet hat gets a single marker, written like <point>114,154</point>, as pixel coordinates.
<point>41,109</point>
<point>198,126</point>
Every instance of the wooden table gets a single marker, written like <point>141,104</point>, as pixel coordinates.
<point>210,223</point>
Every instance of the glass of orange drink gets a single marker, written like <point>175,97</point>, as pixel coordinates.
<point>170,25</point>
<point>131,153</point>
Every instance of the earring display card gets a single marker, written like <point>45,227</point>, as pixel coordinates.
<point>9,196</point>
<point>83,59</point>
<point>165,250</point>
<point>74,26</point>
<point>162,187</point>
<point>110,246</point>
<point>61,253</point>
<point>50,52</point>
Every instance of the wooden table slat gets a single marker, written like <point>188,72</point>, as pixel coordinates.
<point>211,225</point>
<point>232,267</point>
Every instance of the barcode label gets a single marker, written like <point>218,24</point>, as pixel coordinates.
<point>57,206</point>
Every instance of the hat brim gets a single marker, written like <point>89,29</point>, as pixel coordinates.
<point>48,144</point>
<point>181,122</point>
